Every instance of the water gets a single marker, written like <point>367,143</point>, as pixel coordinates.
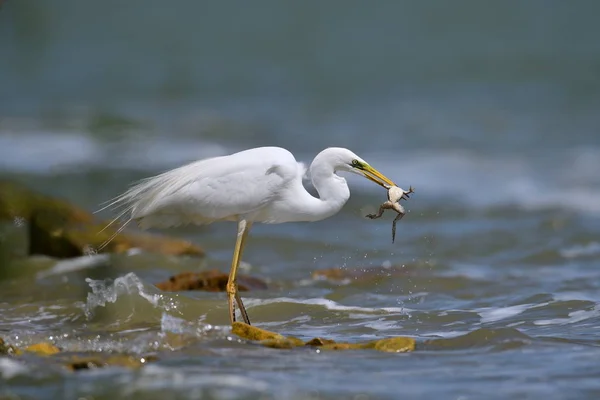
<point>488,110</point>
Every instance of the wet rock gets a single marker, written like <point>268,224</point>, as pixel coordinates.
<point>6,349</point>
<point>14,241</point>
<point>285,343</point>
<point>60,229</point>
<point>211,281</point>
<point>42,349</point>
<point>19,202</point>
<point>271,339</point>
<point>391,345</point>
<point>319,342</point>
<point>257,334</point>
<point>76,361</point>
<point>397,344</point>
<point>266,338</point>
<point>344,274</point>
<point>98,360</point>
<point>334,274</point>
<point>253,333</point>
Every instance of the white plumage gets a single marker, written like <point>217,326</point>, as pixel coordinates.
<point>256,185</point>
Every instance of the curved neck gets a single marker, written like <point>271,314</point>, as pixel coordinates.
<point>333,191</point>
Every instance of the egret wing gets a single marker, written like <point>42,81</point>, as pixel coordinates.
<point>221,188</point>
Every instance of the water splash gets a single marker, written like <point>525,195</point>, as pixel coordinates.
<point>10,368</point>
<point>75,264</point>
<point>107,291</point>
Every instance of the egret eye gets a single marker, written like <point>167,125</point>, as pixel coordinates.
<point>355,163</point>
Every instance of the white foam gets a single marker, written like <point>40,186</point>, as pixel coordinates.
<point>446,335</point>
<point>75,264</point>
<point>105,291</point>
<point>10,368</point>
<point>39,152</point>
<point>382,325</point>
<point>490,314</point>
<point>570,182</point>
<point>169,323</point>
<point>155,376</point>
<point>573,317</point>
<point>328,304</point>
<point>181,326</point>
<point>497,180</point>
<point>42,152</point>
<point>571,295</point>
<point>576,251</point>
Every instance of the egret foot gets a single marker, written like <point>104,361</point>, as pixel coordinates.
<point>238,300</point>
<point>233,293</point>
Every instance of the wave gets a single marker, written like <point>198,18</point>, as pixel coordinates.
<point>325,303</point>
<point>567,180</point>
<point>577,251</point>
<point>10,368</point>
<point>44,152</point>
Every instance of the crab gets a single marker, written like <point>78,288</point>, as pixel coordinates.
<point>395,194</point>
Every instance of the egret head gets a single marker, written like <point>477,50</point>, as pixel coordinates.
<point>345,160</point>
<point>363,168</point>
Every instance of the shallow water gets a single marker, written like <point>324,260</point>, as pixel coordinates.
<point>495,266</point>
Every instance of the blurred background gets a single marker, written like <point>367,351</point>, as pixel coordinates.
<point>484,102</point>
<point>491,110</point>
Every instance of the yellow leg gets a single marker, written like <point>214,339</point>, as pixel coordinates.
<point>232,289</point>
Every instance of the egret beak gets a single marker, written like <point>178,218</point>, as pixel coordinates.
<point>375,176</point>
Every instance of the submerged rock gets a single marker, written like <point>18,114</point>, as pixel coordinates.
<point>211,281</point>
<point>60,229</point>
<point>397,344</point>
<point>319,342</point>
<point>266,338</point>
<point>77,362</point>
<point>6,349</point>
<point>43,349</point>
<point>344,274</point>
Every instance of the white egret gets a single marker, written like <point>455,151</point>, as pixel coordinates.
<point>256,185</point>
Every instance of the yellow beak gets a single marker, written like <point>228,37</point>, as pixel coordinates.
<point>375,176</point>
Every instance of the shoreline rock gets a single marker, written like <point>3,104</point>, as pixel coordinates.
<point>75,361</point>
<point>398,344</point>
<point>60,229</point>
<point>210,281</point>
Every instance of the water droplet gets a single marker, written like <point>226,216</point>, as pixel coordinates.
<point>89,250</point>
<point>19,221</point>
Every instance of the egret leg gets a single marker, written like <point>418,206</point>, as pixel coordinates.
<point>232,288</point>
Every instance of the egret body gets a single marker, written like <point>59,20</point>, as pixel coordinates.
<point>256,185</point>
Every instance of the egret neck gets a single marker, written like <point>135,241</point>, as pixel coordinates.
<point>332,189</point>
